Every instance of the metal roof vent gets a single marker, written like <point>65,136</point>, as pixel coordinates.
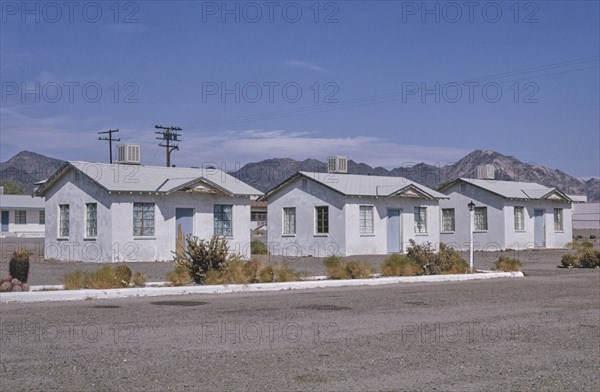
<point>128,154</point>
<point>337,164</point>
<point>486,172</point>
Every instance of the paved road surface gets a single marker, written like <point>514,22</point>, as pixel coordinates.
<point>539,332</point>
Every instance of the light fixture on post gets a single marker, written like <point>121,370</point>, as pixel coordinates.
<point>471,206</point>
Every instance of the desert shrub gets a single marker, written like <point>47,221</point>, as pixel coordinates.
<point>75,280</point>
<point>180,276</point>
<point>266,275</point>
<point>108,278</point>
<point>19,265</point>
<point>284,273</point>
<point>589,258</point>
<point>400,265</point>
<point>213,277</point>
<point>258,248</point>
<point>202,256</point>
<point>335,267</point>
<point>574,245</point>
<point>139,279</point>
<point>587,245</point>
<point>425,256</point>
<point>507,264</point>
<point>124,272</point>
<point>569,260</point>
<point>450,262</point>
<point>358,270</point>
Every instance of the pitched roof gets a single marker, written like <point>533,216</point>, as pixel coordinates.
<point>21,202</point>
<point>138,178</point>
<point>515,189</point>
<point>365,185</point>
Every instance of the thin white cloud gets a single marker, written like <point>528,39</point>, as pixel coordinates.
<point>306,65</point>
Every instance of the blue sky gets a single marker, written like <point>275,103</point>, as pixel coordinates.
<point>347,77</point>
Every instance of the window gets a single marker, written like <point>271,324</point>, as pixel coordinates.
<point>63,224</point>
<point>304,183</point>
<point>519,218</point>
<point>42,218</point>
<point>289,221</point>
<point>20,217</point>
<point>480,218</point>
<point>366,219</point>
<point>322,220</point>
<point>223,220</point>
<point>558,219</point>
<point>463,187</point>
<point>91,220</point>
<point>143,219</point>
<point>448,223</point>
<point>420,219</point>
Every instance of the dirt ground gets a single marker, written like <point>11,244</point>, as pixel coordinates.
<point>44,272</point>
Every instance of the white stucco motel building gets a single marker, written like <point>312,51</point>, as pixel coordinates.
<point>507,215</point>
<point>321,214</point>
<point>22,216</point>
<point>123,212</point>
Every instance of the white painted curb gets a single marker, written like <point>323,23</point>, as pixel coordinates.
<point>75,295</point>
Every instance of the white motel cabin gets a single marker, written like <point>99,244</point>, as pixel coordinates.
<point>321,214</point>
<point>22,216</point>
<point>124,212</point>
<point>507,215</point>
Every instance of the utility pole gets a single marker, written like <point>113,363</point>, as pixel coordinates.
<point>110,140</point>
<point>170,135</point>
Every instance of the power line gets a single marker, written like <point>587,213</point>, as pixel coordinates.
<point>110,140</point>
<point>169,135</point>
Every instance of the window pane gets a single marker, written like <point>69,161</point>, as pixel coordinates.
<point>63,225</point>
<point>420,219</point>
<point>480,218</point>
<point>20,217</point>
<point>91,220</point>
<point>366,219</point>
<point>519,218</point>
<point>143,219</point>
<point>222,218</point>
<point>289,221</point>
<point>448,219</point>
<point>322,216</point>
<point>42,220</point>
<point>558,219</point>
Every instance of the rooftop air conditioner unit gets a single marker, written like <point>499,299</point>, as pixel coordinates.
<point>128,154</point>
<point>337,164</point>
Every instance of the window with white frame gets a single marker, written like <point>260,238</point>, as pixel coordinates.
<point>322,220</point>
<point>289,221</point>
<point>63,220</point>
<point>20,217</point>
<point>519,218</point>
<point>143,219</point>
<point>558,219</point>
<point>448,220</point>
<point>223,220</point>
<point>91,220</point>
<point>420,219</point>
<point>366,220</point>
<point>42,218</point>
<point>480,218</point>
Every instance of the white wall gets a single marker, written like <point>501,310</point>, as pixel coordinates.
<point>586,215</point>
<point>31,229</point>
<point>344,229</point>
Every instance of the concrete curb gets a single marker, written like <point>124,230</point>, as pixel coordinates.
<point>75,295</point>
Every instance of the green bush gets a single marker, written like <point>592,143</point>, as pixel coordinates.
<point>446,261</point>
<point>587,245</point>
<point>180,276</point>
<point>589,258</point>
<point>258,248</point>
<point>569,261</point>
<point>19,265</point>
<point>400,265</point>
<point>335,267</point>
<point>202,256</point>
<point>358,270</point>
<point>507,264</point>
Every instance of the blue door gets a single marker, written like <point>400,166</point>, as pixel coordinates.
<point>394,232</point>
<point>184,225</point>
<point>539,229</point>
<point>4,220</point>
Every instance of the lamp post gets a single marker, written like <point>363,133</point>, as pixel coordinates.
<point>471,206</point>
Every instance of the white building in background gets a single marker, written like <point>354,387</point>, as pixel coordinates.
<point>22,215</point>
<point>321,214</point>
<point>126,212</point>
<point>507,215</point>
<point>586,215</point>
